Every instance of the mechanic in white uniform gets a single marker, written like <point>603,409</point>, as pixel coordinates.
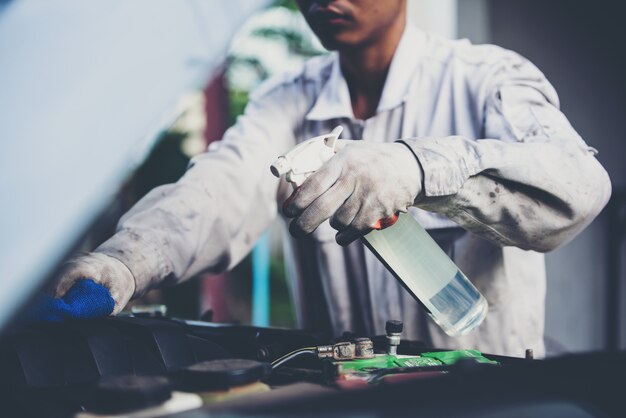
<point>487,163</point>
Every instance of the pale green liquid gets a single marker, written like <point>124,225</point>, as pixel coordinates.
<point>429,275</point>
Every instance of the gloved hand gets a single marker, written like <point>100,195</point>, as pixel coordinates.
<point>362,184</point>
<point>102,269</point>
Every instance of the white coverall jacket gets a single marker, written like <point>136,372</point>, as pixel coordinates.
<point>499,159</point>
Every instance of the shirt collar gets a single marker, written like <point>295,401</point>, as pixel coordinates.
<point>334,98</point>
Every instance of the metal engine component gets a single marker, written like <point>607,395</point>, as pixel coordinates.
<point>339,351</point>
<point>364,348</point>
<point>149,311</point>
<point>394,331</point>
<point>344,351</point>
<point>325,351</point>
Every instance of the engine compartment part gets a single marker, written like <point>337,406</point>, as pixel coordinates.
<point>129,393</point>
<point>137,366</point>
<point>221,374</point>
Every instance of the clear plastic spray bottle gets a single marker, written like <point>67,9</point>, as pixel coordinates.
<point>403,246</point>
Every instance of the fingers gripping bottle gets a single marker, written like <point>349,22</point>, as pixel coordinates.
<point>403,246</point>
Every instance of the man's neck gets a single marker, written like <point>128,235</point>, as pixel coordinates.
<point>365,70</point>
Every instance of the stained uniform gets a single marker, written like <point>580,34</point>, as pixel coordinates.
<point>506,177</point>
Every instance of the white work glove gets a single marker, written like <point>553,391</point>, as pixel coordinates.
<point>363,183</point>
<point>102,269</point>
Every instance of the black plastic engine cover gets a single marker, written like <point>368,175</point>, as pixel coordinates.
<point>71,353</point>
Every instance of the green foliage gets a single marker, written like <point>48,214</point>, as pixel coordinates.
<point>288,4</point>
<point>237,100</point>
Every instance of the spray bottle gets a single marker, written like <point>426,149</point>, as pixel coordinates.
<point>403,246</point>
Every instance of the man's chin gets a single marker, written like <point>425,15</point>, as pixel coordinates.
<point>338,42</point>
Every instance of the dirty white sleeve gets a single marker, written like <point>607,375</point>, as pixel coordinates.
<point>210,219</point>
<point>533,184</point>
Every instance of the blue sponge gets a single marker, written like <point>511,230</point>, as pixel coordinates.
<point>86,299</point>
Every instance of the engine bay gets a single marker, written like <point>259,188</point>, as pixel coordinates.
<point>152,365</point>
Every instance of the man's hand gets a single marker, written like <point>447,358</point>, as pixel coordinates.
<point>363,183</point>
<point>102,269</point>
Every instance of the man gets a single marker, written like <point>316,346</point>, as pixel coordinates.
<point>484,147</point>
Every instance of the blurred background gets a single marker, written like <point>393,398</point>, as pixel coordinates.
<point>578,45</point>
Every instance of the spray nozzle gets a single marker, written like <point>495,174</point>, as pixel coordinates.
<point>306,158</point>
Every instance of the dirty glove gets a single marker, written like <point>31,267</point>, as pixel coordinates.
<point>102,269</point>
<point>362,184</point>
